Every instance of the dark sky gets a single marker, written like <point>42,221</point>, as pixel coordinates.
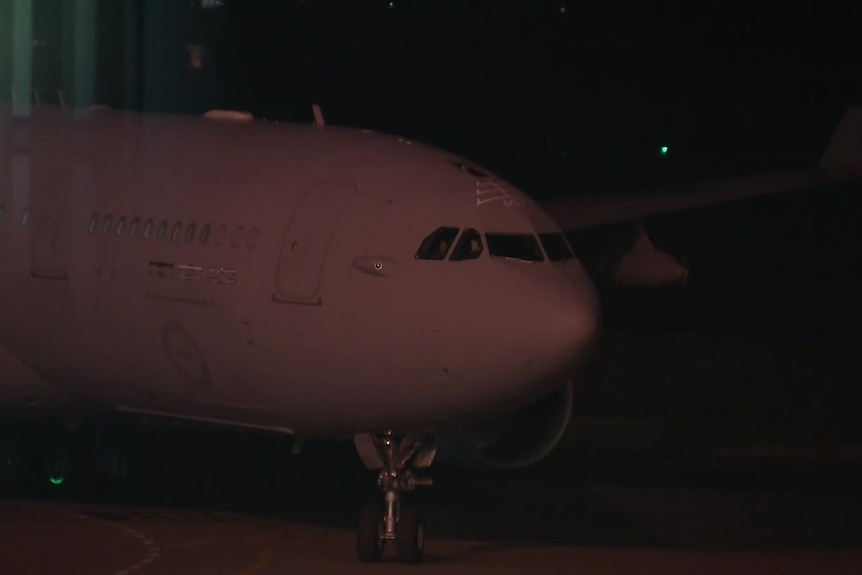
<point>554,87</point>
<point>550,93</point>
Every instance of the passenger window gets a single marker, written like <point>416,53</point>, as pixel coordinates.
<point>236,239</point>
<point>3,211</point>
<point>205,233</point>
<point>436,245</point>
<point>178,227</point>
<point>148,228</point>
<point>253,236</point>
<point>515,246</point>
<point>25,217</point>
<point>556,247</point>
<point>107,225</point>
<point>163,229</point>
<point>469,246</point>
<point>121,223</point>
<point>94,222</point>
<point>133,229</point>
<point>190,233</point>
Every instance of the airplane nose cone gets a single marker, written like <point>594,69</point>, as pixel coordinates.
<point>572,320</point>
<point>550,332</point>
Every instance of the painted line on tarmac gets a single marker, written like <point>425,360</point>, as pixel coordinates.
<point>152,555</point>
<point>264,558</point>
<point>152,549</point>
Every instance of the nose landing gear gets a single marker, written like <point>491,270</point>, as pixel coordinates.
<point>397,519</point>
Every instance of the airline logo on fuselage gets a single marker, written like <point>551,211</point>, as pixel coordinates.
<point>488,190</point>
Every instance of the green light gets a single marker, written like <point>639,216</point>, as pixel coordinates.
<point>56,479</point>
<point>663,150</point>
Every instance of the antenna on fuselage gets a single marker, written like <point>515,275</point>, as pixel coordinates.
<point>229,115</point>
<point>318,115</point>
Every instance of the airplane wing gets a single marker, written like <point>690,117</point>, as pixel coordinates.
<point>627,256</point>
<point>841,162</point>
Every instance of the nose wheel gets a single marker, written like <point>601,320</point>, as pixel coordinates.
<point>371,534</point>
<point>395,520</point>
<point>408,534</point>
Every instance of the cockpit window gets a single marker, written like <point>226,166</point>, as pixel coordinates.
<point>469,246</point>
<point>436,245</point>
<point>556,247</point>
<point>516,246</point>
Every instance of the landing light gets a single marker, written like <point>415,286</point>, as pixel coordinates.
<point>663,150</point>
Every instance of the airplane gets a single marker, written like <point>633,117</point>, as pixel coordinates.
<point>308,279</point>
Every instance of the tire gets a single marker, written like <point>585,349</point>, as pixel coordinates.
<point>410,535</point>
<point>369,543</point>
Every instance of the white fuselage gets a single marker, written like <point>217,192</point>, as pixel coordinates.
<point>295,302</point>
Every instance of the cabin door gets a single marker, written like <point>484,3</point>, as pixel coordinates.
<point>48,257</point>
<point>306,242</point>
<point>50,219</point>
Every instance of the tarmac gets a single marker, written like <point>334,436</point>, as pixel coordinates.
<point>509,528</point>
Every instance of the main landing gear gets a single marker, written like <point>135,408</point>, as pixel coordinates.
<point>395,519</point>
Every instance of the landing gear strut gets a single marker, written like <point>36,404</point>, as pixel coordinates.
<point>396,519</point>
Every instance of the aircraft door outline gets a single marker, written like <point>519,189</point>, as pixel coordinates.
<point>48,257</point>
<point>306,242</point>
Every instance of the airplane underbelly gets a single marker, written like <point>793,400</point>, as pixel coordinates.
<point>20,386</point>
<point>146,350</point>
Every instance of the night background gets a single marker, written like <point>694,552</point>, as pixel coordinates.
<point>554,95</point>
<point>749,374</point>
